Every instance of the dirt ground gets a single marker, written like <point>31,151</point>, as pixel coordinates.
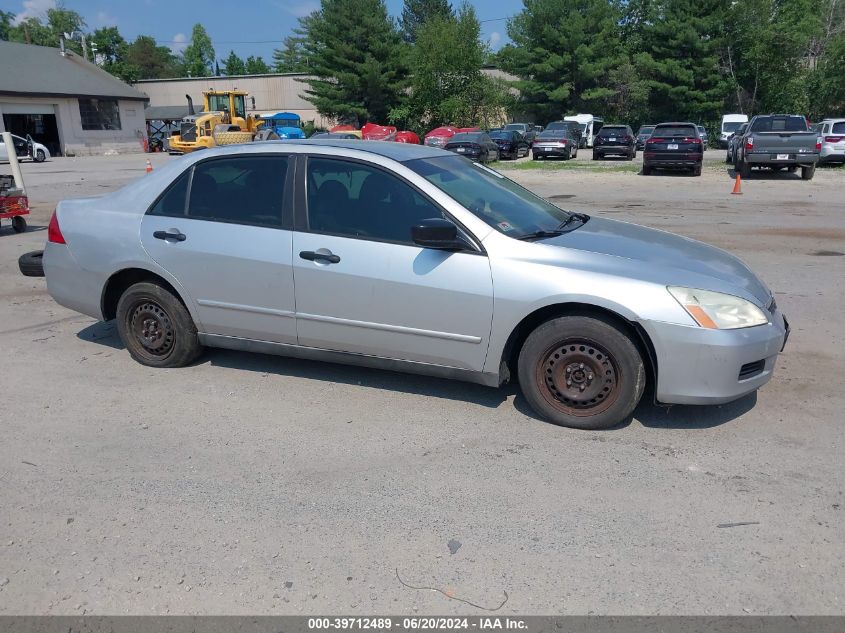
<point>256,484</point>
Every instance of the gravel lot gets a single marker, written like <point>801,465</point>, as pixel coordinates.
<point>256,484</point>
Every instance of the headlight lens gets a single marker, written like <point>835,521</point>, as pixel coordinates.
<point>717,311</point>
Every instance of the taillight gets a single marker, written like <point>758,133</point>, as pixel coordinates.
<point>819,144</point>
<point>54,233</point>
<point>652,141</point>
<point>833,139</point>
<point>749,142</point>
<point>694,140</point>
<point>563,141</point>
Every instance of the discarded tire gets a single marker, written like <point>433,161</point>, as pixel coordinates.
<point>31,265</point>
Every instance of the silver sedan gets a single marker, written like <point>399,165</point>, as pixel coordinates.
<point>412,258</point>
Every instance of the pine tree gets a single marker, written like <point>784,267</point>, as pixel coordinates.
<point>415,13</point>
<point>198,56</point>
<point>256,66</point>
<point>355,60</point>
<point>234,65</point>
<point>292,57</point>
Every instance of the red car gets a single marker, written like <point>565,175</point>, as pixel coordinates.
<point>407,137</point>
<point>374,132</point>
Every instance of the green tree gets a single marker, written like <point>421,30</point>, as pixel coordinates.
<point>447,84</point>
<point>256,66</point>
<point>151,60</point>
<point>415,13</point>
<point>112,53</point>
<point>5,24</point>
<point>292,57</point>
<point>562,52</point>
<point>234,65</point>
<point>59,20</point>
<point>355,60</point>
<point>198,57</point>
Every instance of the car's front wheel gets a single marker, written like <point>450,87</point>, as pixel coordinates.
<point>155,327</point>
<point>40,156</point>
<point>582,372</point>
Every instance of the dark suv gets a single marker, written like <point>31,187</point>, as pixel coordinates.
<point>674,146</point>
<point>617,140</point>
<point>643,134</point>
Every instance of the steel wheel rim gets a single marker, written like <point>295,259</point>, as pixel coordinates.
<point>578,377</point>
<point>151,329</point>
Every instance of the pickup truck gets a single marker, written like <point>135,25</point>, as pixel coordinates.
<point>778,141</point>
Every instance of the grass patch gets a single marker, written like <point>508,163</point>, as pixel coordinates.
<point>568,165</point>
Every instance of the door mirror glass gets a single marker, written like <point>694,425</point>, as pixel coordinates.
<point>437,233</point>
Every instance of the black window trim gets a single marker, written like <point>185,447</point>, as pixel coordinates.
<point>301,208</point>
<point>287,202</point>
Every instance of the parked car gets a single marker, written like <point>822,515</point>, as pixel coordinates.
<point>375,132</point>
<point>475,145</point>
<point>702,134</point>
<point>615,140</point>
<point>778,141</point>
<point>395,251</point>
<point>24,148</point>
<point>730,124</point>
<point>438,137</point>
<point>557,142</point>
<point>673,146</point>
<point>642,135</point>
<point>574,128</point>
<point>527,130</point>
<point>733,141</point>
<point>833,141</point>
<point>511,144</point>
<point>405,136</point>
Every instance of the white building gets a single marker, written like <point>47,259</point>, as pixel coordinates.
<point>66,103</point>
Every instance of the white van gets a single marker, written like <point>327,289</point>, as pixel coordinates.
<point>730,124</point>
<point>590,126</point>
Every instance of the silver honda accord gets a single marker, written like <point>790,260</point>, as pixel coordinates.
<point>412,258</point>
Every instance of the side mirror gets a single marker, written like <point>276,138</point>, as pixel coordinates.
<point>437,233</point>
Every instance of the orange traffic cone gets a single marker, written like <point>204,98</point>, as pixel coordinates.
<point>737,185</point>
<point>149,166</point>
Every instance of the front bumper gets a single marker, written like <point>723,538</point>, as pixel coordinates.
<point>700,366</point>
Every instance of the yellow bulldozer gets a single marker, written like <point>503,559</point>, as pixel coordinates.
<point>224,122</point>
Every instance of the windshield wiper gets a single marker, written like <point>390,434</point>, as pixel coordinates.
<point>569,224</point>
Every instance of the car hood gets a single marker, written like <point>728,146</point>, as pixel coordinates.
<point>680,260</point>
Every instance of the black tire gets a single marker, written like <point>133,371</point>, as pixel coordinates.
<point>581,372</point>
<point>31,264</point>
<point>808,172</point>
<point>39,156</point>
<point>18,224</point>
<point>728,158</point>
<point>696,171</point>
<point>744,169</point>
<point>534,156</point>
<point>596,156</point>
<point>646,170</point>
<point>155,327</point>
<point>632,155</point>
<point>792,169</point>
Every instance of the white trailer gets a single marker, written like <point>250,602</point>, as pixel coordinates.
<point>590,126</point>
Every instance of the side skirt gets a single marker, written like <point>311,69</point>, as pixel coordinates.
<point>348,358</point>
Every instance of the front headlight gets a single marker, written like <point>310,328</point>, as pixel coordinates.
<point>718,311</point>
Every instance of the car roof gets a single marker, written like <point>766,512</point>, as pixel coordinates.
<point>676,123</point>
<point>395,151</point>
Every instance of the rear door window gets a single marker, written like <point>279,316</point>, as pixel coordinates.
<point>173,201</point>
<point>838,127</point>
<point>241,190</point>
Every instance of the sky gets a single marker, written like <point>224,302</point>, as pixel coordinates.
<point>255,27</point>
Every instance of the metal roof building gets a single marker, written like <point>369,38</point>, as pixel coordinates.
<point>70,105</point>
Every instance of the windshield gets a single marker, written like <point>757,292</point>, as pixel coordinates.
<point>498,201</point>
<point>285,122</point>
<point>779,124</point>
<point>465,138</point>
<point>675,130</point>
<point>218,103</point>
<point>730,126</point>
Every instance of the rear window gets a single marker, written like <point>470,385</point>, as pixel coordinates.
<point>502,134</point>
<point>779,124</point>
<point>645,130</point>
<point>838,128</point>
<point>556,133</point>
<point>465,138</point>
<point>675,130</point>
<point>730,126</point>
<point>612,130</point>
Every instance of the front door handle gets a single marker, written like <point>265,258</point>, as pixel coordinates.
<point>167,235</point>
<point>323,257</point>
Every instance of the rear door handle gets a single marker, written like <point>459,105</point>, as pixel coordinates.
<point>323,257</point>
<point>167,235</point>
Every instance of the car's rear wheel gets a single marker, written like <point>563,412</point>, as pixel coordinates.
<point>40,156</point>
<point>808,172</point>
<point>596,155</point>
<point>744,169</point>
<point>581,372</point>
<point>696,171</point>
<point>155,327</point>
<point>646,170</point>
